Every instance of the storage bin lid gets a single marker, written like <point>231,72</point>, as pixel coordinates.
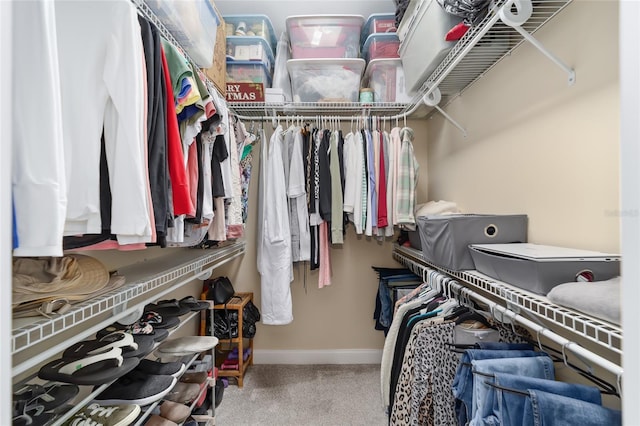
<point>250,40</point>
<point>379,38</point>
<point>355,65</point>
<point>234,19</point>
<point>324,20</point>
<point>543,253</point>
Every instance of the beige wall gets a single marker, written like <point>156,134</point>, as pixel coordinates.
<point>536,145</point>
<point>339,316</point>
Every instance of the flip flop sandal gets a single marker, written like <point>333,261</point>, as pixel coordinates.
<point>117,339</point>
<point>136,328</point>
<point>49,396</point>
<point>93,370</point>
<point>193,304</point>
<point>167,308</point>
<point>145,346</point>
<point>30,415</point>
<point>159,321</point>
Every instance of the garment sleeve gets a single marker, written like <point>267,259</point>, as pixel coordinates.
<point>124,130</point>
<point>38,181</point>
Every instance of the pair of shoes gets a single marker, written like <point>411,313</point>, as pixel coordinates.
<point>93,362</point>
<point>137,387</point>
<point>105,415</point>
<point>175,308</point>
<point>37,404</point>
<point>158,368</point>
<point>137,328</point>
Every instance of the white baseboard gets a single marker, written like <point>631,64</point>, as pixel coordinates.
<point>335,356</point>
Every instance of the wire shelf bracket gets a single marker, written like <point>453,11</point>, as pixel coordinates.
<point>523,11</point>
<point>432,98</point>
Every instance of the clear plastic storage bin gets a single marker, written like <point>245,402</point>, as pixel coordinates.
<point>325,80</point>
<point>379,23</point>
<point>386,78</point>
<point>252,26</point>
<point>193,23</point>
<point>325,36</point>
<point>380,45</point>
<point>248,72</point>
<point>250,49</point>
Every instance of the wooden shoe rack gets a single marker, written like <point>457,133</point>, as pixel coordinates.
<point>237,303</point>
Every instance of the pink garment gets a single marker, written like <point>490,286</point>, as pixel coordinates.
<point>192,172</point>
<point>209,109</point>
<point>217,228</point>
<point>324,277</point>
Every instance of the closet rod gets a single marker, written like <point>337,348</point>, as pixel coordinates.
<point>538,329</point>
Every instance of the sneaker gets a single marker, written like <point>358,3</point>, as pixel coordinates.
<point>137,388</point>
<point>174,369</point>
<point>104,415</point>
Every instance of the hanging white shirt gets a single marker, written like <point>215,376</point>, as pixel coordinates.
<point>38,169</point>
<point>274,238</point>
<point>110,72</point>
<point>297,192</point>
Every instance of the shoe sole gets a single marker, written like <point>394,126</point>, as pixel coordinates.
<point>140,401</point>
<point>130,418</point>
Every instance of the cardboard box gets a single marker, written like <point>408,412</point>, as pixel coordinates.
<point>245,92</point>
<point>218,71</point>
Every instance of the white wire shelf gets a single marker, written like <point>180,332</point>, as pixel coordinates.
<point>517,300</point>
<point>482,47</point>
<point>473,55</point>
<point>174,270</point>
<point>310,110</point>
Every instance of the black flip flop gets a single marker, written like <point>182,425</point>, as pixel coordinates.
<point>92,370</point>
<point>193,304</point>
<point>158,334</point>
<point>50,396</point>
<point>118,339</point>
<point>167,308</point>
<point>145,346</point>
<point>160,321</point>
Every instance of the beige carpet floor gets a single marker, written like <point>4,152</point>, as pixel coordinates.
<point>305,395</point>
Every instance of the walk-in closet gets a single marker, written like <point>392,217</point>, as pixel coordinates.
<point>394,212</point>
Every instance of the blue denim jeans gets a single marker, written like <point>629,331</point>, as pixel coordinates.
<point>508,407</point>
<point>547,409</point>
<point>386,310</point>
<point>483,371</point>
<point>504,346</point>
<point>463,381</point>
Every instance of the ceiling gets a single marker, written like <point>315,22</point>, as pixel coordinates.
<point>279,10</point>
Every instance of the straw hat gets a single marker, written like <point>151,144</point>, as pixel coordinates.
<point>71,277</point>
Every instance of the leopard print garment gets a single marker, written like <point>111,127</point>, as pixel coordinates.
<point>400,408</point>
<point>434,363</point>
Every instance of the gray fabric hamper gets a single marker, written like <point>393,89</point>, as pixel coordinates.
<point>539,268</point>
<point>445,238</point>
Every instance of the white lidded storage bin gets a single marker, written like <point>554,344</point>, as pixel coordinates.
<point>251,26</point>
<point>193,23</point>
<point>539,268</point>
<point>325,36</point>
<point>386,78</point>
<point>424,47</point>
<point>248,48</point>
<point>325,80</point>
